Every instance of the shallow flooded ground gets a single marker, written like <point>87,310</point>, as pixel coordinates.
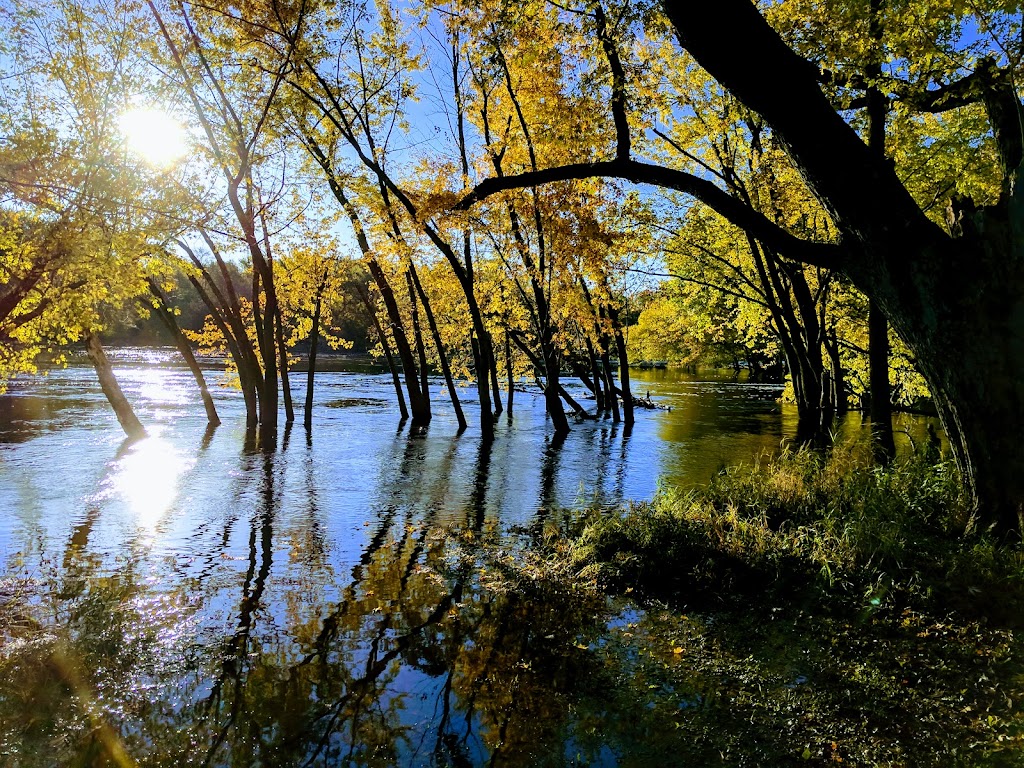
<point>184,601</point>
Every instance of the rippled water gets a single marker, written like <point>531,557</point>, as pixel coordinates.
<point>183,601</point>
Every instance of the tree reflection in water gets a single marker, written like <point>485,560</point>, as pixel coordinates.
<point>415,663</point>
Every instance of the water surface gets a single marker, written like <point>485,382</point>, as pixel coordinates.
<point>182,600</point>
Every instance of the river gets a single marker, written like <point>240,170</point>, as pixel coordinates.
<point>181,600</point>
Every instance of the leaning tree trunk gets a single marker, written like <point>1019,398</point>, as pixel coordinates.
<point>421,351</point>
<point>442,356</point>
<point>420,408</point>
<point>385,345</point>
<point>166,316</point>
<point>108,383</point>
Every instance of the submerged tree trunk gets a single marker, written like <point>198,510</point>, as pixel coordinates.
<point>595,372</point>
<point>185,349</point>
<point>286,385</point>
<point>508,373</point>
<point>495,384</point>
<point>385,345</point>
<point>609,383</point>
<point>552,390</point>
<point>439,346</point>
<point>314,341</point>
<point>620,348</point>
<point>421,351</point>
<point>108,383</point>
<point>419,407</point>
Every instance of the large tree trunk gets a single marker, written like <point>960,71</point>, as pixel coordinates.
<point>108,383</point>
<point>968,339</point>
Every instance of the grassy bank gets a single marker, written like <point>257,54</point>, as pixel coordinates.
<point>828,529</point>
<point>805,610</point>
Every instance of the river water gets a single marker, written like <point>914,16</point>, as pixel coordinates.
<point>182,600</point>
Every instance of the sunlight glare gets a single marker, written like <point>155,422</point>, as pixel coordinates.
<point>147,479</point>
<point>155,135</point>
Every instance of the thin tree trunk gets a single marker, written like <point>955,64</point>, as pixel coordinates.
<point>609,378</point>
<point>185,349</point>
<point>387,353</point>
<point>549,365</point>
<point>495,386</point>
<point>227,317</point>
<point>286,385</point>
<point>108,383</point>
<point>314,342</point>
<point>838,375</point>
<point>878,378</point>
<point>268,426</point>
<point>595,371</point>
<point>439,346</point>
<point>508,373</point>
<point>620,346</point>
<point>420,409</point>
<point>421,351</point>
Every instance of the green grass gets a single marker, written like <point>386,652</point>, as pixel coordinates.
<point>808,609</point>
<point>827,527</point>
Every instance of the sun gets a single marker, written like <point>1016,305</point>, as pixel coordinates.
<point>154,135</point>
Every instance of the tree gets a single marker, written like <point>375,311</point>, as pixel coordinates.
<point>954,296</point>
<point>78,213</point>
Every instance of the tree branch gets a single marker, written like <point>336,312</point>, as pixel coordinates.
<point>743,216</point>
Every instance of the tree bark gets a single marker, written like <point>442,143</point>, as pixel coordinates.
<point>419,407</point>
<point>508,373</point>
<point>111,389</point>
<point>421,351</point>
<point>620,348</point>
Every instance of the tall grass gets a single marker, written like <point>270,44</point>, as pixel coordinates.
<point>833,524</point>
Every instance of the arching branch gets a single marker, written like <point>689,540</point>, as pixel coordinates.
<point>743,216</point>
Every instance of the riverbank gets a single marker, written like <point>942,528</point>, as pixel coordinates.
<point>802,611</point>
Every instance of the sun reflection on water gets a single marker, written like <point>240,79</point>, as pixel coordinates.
<point>146,478</point>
